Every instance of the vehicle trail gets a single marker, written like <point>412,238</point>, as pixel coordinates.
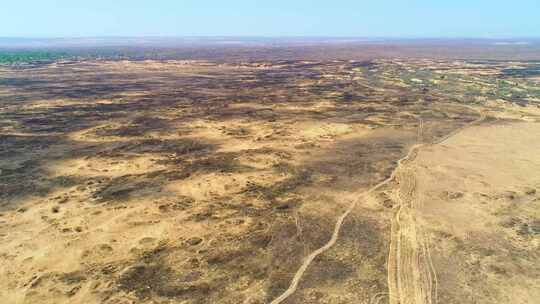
<point>307,261</point>
<point>411,274</point>
<point>411,154</point>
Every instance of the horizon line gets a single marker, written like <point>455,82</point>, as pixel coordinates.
<point>270,37</point>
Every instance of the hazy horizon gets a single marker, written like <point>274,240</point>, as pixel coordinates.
<point>180,41</point>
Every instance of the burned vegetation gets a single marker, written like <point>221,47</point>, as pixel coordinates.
<point>205,182</point>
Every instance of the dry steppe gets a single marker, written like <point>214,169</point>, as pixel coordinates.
<point>332,181</point>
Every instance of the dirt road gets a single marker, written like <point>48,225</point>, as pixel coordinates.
<point>421,280</point>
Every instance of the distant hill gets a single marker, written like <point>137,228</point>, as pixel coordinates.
<point>268,48</point>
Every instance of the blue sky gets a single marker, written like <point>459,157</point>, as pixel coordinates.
<point>380,18</point>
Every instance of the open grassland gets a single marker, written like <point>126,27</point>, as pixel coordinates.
<point>210,182</point>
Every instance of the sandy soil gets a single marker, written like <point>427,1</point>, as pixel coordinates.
<point>203,182</point>
<point>476,210</point>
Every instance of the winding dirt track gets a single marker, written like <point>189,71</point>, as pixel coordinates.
<point>408,282</point>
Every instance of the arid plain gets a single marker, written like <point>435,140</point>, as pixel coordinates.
<point>323,181</point>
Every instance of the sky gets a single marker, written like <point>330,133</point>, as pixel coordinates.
<point>271,18</point>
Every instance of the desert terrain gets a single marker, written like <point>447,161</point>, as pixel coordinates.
<point>389,180</point>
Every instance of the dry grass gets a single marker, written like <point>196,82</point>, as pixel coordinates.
<point>197,182</point>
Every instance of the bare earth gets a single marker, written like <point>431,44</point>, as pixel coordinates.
<point>333,181</point>
<point>476,215</point>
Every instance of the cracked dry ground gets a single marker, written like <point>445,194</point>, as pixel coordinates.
<point>201,182</point>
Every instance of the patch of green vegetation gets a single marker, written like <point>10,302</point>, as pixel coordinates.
<point>14,57</point>
<point>529,71</point>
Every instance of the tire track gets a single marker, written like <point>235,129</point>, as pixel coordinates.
<point>411,274</point>
<point>411,279</point>
<point>309,259</point>
<point>411,154</point>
